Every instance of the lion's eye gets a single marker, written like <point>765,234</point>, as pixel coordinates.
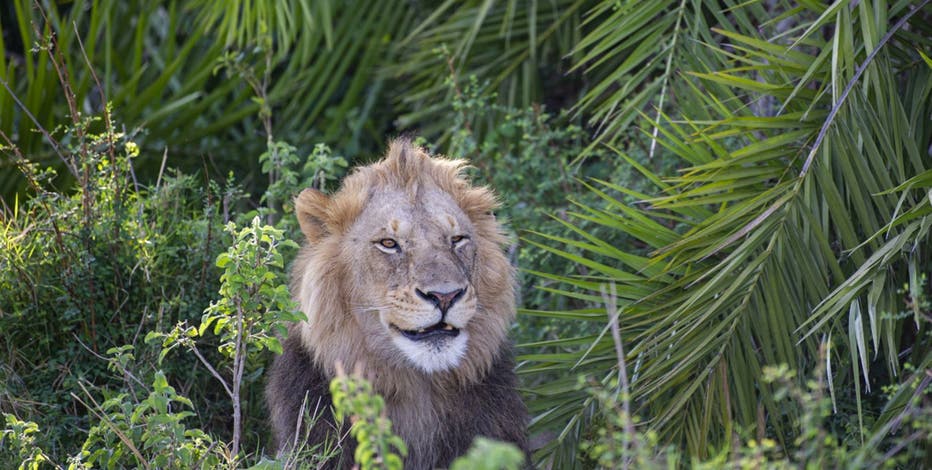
<point>388,245</point>
<point>458,239</point>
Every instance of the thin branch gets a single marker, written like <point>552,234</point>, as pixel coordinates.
<point>611,309</point>
<point>158,181</point>
<point>100,89</point>
<point>106,359</point>
<point>55,145</point>
<point>58,64</point>
<point>212,370</point>
<point>206,454</point>
<point>239,362</point>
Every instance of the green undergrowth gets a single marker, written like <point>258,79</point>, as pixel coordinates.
<point>138,319</point>
<point>139,305</point>
<point>95,267</point>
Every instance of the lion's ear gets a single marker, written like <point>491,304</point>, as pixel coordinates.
<point>311,208</point>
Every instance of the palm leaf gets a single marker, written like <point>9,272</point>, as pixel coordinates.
<point>504,42</point>
<point>797,226</point>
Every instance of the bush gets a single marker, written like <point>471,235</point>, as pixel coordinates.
<point>618,440</point>
<point>93,269</point>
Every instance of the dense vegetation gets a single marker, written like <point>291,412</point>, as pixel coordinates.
<point>721,210</point>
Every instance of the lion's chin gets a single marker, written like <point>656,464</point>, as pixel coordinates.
<point>435,353</point>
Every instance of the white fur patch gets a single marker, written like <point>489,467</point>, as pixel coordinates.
<point>432,356</point>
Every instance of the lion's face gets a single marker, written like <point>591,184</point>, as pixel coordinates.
<point>403,269</point>
<point>414,260</point>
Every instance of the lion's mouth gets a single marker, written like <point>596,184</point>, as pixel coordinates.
<point>438,330</point>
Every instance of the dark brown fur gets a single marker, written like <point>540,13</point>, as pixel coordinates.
<point>490,408</point>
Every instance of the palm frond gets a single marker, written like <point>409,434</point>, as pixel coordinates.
<point>774,251</point>
<point>504,42</point>
<point>158,66</point>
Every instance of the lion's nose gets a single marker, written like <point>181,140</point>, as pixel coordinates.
<point>443,300</point>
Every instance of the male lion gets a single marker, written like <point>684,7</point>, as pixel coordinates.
<point>403,273</point>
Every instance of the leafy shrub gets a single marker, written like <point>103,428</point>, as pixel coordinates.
<point>618,440</point>
<point>376,446</point>
<point>289,174</point>
<point>250,316</point>
<point>90,270</point>
<point>148,434</point>
<point>135,244</point>
<point>18,439</point>
<point>153,432</point>
<point>487,454</point>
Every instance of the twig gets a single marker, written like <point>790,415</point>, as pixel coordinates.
<point>158,180</point>
<point>55,145</point>
<point>297,426</point>
<point>100,90</point>
<point>212,370</point>
<point>210,222</point>
<point>456,89</point>
<point>142,322</point>
<point>104,358</point>
<point>206,453</point>
<point>132,172</point>
<point>57,61</point>
<point>611,310</point>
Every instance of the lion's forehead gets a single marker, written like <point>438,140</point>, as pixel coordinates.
<point>431,213</point>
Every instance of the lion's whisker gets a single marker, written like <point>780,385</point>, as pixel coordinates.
<point>367,308</point>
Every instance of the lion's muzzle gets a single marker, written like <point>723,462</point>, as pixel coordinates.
<point>442,300</point>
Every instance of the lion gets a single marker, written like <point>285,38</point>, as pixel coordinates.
<point>403,272</point>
